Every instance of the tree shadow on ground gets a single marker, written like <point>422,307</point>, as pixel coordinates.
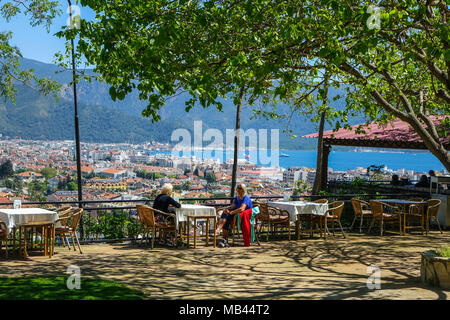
<point>335,268</point>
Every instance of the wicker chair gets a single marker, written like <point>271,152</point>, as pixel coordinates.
<point>63,216</point>
<point>146,215</point>
<point>273,218</point>
<point>39,230</point>
<point>378,213</point>
<point>69,228</point>
<point>415,213</point>
<point>361,209</point>
<point>432,213</point>
<point>312,219</point>
<point>4,237</point>
<point>333,215</point>
<point>63,210</point>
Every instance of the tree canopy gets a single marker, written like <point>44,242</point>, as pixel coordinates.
<point>393,59</point>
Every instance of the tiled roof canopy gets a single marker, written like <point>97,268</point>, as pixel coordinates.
<point>396,134</point>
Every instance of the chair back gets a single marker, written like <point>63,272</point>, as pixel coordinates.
<point>433,207</point>
<point>325,201</point>
<point>64,216</point>
<point>416,199</point>
<point>75,216</point>
<point>146,215</point>
<point>377,207</point>
<point>337,207</point>
<point>63,210</point>
<point>357,206</point>
<point>264,214</point>
<point>139,213</point>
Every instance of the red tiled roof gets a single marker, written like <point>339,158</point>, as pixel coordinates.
<point>395,131</point>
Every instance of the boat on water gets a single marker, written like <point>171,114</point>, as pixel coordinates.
<point>284,155</point>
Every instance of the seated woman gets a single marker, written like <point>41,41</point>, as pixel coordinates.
<point>240,203</point>
<point>165,203</point>
<point>423,182</point>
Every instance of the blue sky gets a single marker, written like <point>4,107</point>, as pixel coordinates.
<point>35,42</point>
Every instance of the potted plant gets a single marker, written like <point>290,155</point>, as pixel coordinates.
<point>435,267</point>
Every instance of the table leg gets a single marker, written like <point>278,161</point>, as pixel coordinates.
<point>14,238</point>
<point>52,239</point>
<point>25,254</point>
<point>195,232</point>
<point>207,231</point>
<point>188,227</point>
<point>180,228</point>
<point>45,236</point>
<point>215,226</point>
<point>42,242</point>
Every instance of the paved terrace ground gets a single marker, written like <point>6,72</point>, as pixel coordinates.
<point>305,269</point>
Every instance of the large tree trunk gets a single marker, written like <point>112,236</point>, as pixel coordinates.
<point>236,142</point>
<point>319,166</point>
<point>318,180</point>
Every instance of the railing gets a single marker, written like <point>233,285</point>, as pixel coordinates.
<point>85,228</point>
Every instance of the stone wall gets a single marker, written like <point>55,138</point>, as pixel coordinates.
<point>435,270</point>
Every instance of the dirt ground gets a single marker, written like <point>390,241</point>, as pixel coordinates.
<point>305,269</point>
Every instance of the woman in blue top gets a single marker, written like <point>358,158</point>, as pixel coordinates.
<point>240,203</point>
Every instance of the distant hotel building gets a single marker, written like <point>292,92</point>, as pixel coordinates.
<point>294,174</point>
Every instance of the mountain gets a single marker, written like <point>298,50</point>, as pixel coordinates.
<point>39,117</point>
<point>103,120</point>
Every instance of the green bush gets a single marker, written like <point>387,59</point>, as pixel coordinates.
<point>444,252</point>
<point>116,225</point>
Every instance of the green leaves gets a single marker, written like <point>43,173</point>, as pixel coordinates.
<point>39,12</point>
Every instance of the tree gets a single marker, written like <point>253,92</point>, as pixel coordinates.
<point>210,177</point>
<point>39,12</point>
<point>71,186</point>
<point>179,53</point>
<point>49,173</point>
<point>275,51</point>
<point>187,185</point>
<point>6,169</point>
<point>301,187</point>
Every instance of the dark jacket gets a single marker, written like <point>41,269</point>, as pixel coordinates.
<point>163,201</point>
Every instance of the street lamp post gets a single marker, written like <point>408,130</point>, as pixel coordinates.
<point>77,128</point>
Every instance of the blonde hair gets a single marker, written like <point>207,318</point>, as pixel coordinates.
<point>243,187</point>
<point>167,188</point>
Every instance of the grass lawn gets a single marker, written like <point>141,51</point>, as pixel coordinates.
<point>55,288</point>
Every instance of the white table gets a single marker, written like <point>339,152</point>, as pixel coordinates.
<point>300,207</point>
<point>190,213</point>
<point>13,217</point>
<point>193,210</point>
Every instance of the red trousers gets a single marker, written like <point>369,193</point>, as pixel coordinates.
<point>245,226</point>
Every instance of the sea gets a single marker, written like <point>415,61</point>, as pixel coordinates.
<point>420,162</point>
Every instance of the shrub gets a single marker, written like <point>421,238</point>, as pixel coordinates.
<point>444,252</point>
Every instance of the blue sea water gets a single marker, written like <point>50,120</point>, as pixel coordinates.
<point>337,160</point>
